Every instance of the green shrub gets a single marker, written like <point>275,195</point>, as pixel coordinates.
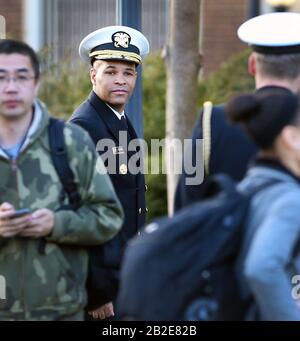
<point>156,195</point>
<point>154,89</point>
<point>64,87</point>
<point>231,78</point>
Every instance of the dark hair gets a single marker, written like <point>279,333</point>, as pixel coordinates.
<point>8,46</point>
<point>265,113</point>
<point>279,66</point>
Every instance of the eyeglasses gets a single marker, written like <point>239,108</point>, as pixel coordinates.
<point>20,80</point>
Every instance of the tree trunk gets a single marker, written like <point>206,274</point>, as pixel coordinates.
<point>182,64</point>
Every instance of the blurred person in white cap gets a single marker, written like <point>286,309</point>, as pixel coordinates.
<point>274,62</point>
<point>114,54</point>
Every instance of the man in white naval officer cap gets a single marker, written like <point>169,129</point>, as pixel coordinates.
<point>274,61</point>
<point>272,33</point>
<point>115,43</point>
<point>114,53</point>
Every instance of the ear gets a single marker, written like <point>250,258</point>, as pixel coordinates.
<point>291,137</point>
<point>252,65</point>
<point>93,73</point>
<point>37,87</point>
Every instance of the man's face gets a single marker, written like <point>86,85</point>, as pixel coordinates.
<point>114,82</point>
<point>18,86</point>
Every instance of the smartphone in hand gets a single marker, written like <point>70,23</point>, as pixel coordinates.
<point>20,213</point>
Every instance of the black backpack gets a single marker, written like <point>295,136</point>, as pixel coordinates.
<point>183,268</point>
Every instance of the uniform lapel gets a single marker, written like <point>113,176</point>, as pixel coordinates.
<point>107,115</point>
<point>138,147</point>
<point>113,124</point>
<point>131,130</point>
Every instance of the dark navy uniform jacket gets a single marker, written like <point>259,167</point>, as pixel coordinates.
<point>231,151</point>
<point>101,123</point>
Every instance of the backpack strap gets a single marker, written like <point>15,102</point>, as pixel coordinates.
<point>206,134</point>
<point>250,193</point>
<point>224,183</point>
<point>61,163</point>
<point>218,183</point>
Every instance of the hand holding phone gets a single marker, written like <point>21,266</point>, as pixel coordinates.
<point>11,221</point>
<point>20,213</point>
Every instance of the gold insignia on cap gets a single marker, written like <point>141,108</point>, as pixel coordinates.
<point>123,168</point>
<point>121,39</point>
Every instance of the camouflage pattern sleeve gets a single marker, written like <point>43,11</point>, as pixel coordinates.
<point>100,216</point>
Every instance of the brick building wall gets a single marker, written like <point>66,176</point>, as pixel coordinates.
<point>220,20</point>
<point>12,11</point>
<point>218,41</point>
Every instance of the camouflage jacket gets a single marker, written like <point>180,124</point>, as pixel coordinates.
<point>51,285</point>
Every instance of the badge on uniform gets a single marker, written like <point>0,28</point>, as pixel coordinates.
<point>123,169</point>
<point>118,150</point>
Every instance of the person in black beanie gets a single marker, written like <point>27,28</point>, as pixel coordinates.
<point>269,259</point>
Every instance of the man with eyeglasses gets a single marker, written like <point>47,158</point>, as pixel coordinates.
<point>47,284</point>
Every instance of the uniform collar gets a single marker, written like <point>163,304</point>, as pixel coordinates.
<point>119,116</point>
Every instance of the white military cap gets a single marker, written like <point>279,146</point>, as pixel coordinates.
<point>272,33</point>
<point>114,42</point>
